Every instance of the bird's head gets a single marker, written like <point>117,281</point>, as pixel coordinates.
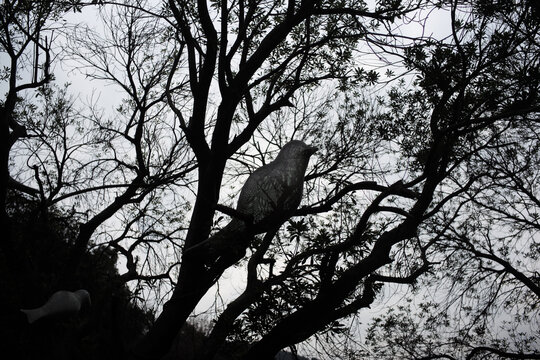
<point>296,149</point>
<point>84,297</point>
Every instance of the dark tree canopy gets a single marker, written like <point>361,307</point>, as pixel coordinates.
<point>425,178</point>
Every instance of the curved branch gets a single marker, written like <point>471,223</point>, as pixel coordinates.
<point>326,205</point>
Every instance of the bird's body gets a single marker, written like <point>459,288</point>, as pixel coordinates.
<point>273,192</point>
<point>60,303</point>
<point>269,197</point>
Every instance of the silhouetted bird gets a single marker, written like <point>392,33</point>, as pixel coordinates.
<point>269,197</point>
<point>60,303</point>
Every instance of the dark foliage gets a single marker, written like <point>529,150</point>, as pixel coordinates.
<point>191,339</point>
<point>32,267</point>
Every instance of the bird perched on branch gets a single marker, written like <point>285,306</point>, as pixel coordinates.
<point>270,196</point>
<point>60,303</point>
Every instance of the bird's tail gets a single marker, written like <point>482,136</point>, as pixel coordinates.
<point>229,245</point>
<point>232,236</point>
<point>234,227</point>
<point>33,314</point>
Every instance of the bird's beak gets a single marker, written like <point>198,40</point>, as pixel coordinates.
<point>312,150</point>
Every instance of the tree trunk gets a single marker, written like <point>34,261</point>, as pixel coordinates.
<point>195,278</point>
